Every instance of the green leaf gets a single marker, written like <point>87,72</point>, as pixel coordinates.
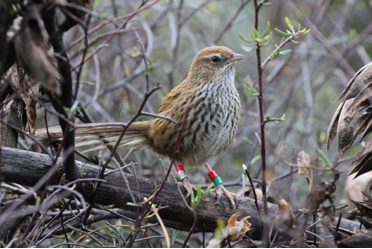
<point>281,32</point>
<point>255,94</point>
<point>265,41</point>
<point>244,167</point>
<point>67,110</point>
<point>155,185</point>
<point>244,38</point>
<point>306,32</point>
<point>107,207</point>
<point>70,227</point>
<point>149,68</point>
<point>174,236</point>
<point>38,200</point>
<point>276,54</point>
<point>207,191</point>
<point>255,34</point>
<point>255,159</point>
<point>251,88</point>
<point>218,231</point>
<point>247,49</point>
<point>289,24</point>
<point>285,52</point>
<point>198,195</point>
<point>283,117</point>
<point>352,33</point>
<point>267,30</point>
<point>295,42</point>
<point>248,140</point>
<point>133,204</point>
<point>325,158</point>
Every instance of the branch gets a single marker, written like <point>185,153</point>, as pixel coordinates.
<point>26,168</point>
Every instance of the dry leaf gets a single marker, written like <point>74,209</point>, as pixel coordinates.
<point>284,217</point>
<point>235,229</point>
<point>303,162</point>
<point>353,117</point>
<point>33,51</point>
<point>281,151</point>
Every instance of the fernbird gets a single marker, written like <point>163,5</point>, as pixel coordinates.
<point>212,121</point>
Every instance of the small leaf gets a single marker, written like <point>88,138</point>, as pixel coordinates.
<point>38,200</point>
<point>325,159</point>
<point>283,117</point>
<point>149,68</point>
<point>198,195</point>
<point>247,49</point>
<point>70,227</point>
<point>267,30</point>
<point>251,88</point>
<point>289,24</point>
<point>133,204</point>
<point>107,207</point>
<point>352,33</point>
<point>67,110</point>
<point>255,34</point>
<point>285,52</point>
<point>244,167</point>
<point>255,159</point>
<point>255,94</point>
<point>155,185</point>
<point>265,41</point>
<point>306,32</point>
<point>207,191</point>
<point>281,32</point>
<point>295,42</point>
<point>248,141</point>
<point>175,235</point>
<point>244,38</point>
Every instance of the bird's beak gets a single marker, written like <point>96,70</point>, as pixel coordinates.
<point>236,57</point>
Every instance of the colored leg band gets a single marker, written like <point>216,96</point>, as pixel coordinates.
<point>181,172</point>
<point>215,178</point>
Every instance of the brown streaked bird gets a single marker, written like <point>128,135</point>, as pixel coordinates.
<point>212,122</point>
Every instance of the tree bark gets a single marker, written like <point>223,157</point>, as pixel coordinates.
<point>27,168</point>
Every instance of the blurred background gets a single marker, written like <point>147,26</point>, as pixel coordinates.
<point>303,84</point>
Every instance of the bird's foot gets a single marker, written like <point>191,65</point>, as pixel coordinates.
<point>231,196</point>
<point>188,186</point>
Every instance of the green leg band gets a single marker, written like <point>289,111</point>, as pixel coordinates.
<point>217,181</point>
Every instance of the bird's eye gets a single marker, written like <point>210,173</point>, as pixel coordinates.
<point>215,59</point>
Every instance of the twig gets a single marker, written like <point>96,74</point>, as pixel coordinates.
<point>179,136</point>
<point>262,127</point>
<point>191,210</point>
<point>253,190</point>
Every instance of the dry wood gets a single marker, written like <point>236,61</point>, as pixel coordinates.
<point>27,168</point>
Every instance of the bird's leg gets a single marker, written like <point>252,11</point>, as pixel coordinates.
<point>220,188</point>
<point>185,182</point>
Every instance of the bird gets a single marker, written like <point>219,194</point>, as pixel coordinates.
<point>214,106</point>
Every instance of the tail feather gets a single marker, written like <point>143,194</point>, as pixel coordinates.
<point>88,135</point>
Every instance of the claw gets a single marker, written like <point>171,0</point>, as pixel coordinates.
<point>231,196</point>
<point>187,184</point>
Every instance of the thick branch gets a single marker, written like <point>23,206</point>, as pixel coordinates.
<point>27,168</point>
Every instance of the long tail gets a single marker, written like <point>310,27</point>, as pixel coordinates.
<point>100,135</point>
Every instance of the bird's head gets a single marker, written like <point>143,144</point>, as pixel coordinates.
<point>213,62</point>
